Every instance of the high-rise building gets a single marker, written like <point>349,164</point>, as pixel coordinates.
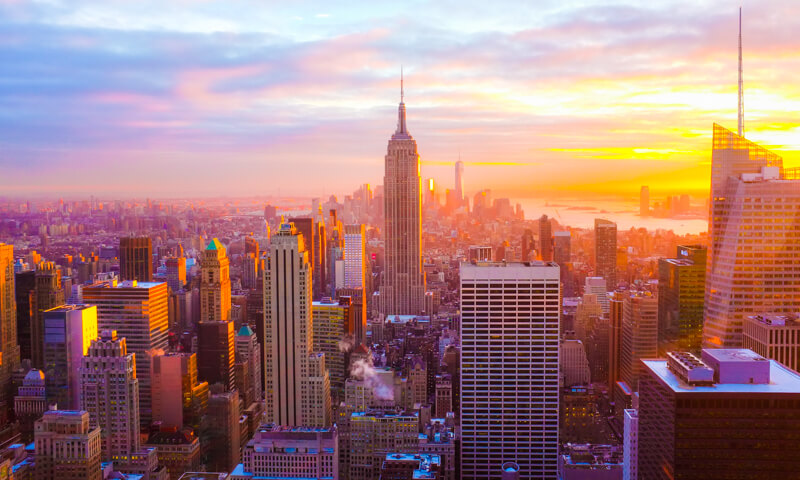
<point>333,326</point>
<point>774,336</point>
<point>297,385</point>
<point>630,445</point>
<point>137,311</point>
<point>517,396</point>
<point>177,407</point>
<point>9,348</point>
<point>574,364</point>
<point>752,259</point>
<point>639,334</point>
<point>136,259</point>
<point>110,393</point>
<point>562,248</point>
<point>250,271</point>
<point>215,284</point>
<point>47,294</point>
<point>605,251</point>
<point>248,351</point>
<point>305,225</point>
<point>681,287</point>
<point>459,190</point>
<point>644,201</point>
<point>375,433</point>
<point>176,271</point>
<point>290,452</point>
<point>615,314</point>
<point>216,353</point>
<point>68,332</point>
<point>355,256</point>
<point>730,414</point>
<point>24,286</point>
<point>403,289</point>
<point>223,432</point>
<point>545,239</point>
<point>67,448</point>
<point>598,287</point>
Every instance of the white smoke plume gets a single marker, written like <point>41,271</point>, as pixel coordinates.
<point>363,370</point>
<point>347,343</point>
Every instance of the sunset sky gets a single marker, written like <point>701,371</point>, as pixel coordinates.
<point>244,97</point>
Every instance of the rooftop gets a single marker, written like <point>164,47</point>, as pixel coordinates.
<point>776,320</point>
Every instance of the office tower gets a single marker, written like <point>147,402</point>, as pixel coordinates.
<point>605,251</point>
<point>136,259</point>
<point>355,261</point>
<point>179,397</point>
<point>30,402</point>
<point>681,287</point>
<point>137,311</point>
<point>630,445</point>
<point>403,289</point>
<point>223,431</point>
<point>176,271</point>
<point>333,326</point>
<point>444,396</point>
<point>248,352</point>
<point>358,309</point>
<point>644,201</point>
<point>216,353</point>
<point>639,334</point>
<point>67,448</point>
<point>25,284</point>
<point>306,227</point>
<point>752,256</point>
<point>480,253</point>
<point>297,386</point>
<point>517,397</point>
<point>47,294</point>
<point>459,190</point>
<point>562,248</point>
<point>774,336</point>
<point>110,393</point>
<point>250,271</point>
<point>730,414</point>
<point>9,349</point>
<point>320,275</point>
<point>373,434</point>
<point>69,330</point>
<point>215,284</point>
<point>597,286</point>
<point>527,245</point>
<point>545,239</point>
<point>574,364</point>
<point>615,314</point>
<point>290,452</point>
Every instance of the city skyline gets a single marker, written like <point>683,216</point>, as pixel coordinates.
<point>181,91</point>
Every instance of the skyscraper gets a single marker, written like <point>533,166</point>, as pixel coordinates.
<point>176,271</point>
<point>562,249</point>
<point>752,265</point>
<point>605,251</point>
<point>138,312</point>
<point>47,294</point>
<point>355,252</point>
<point>136,259</point>
<point>644,201</point>
<point>681,287</point>
<point>403,291</point>
<point>459,190</point>
<point>545,239</point>
<point>639,334</point>
<point>69,330</point>
<point>248,351</point>
<point>215,284</point>
<point>509,401</point>
<point>774,336</point>
<point>216,353</point>
<point>333,324</point>
<point>297,386</point>
<point>110,393</point>
<point>9,349</point>
<point>179,398</point>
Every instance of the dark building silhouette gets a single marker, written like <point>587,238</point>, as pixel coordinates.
<point>136,259</point>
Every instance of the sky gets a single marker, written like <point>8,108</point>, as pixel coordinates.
<point>251,97</point>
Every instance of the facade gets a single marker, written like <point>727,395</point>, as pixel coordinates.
<point>630,445</point>
<point>444,396</point>
<point>605,251</point>
<point>248,351</point>
<point>752,257</point>
<point>403,289</point>
<point>639,334</point>
<point>215,284</point>
<point>615,314</point>
<point>290,452</point>
<point>373,434</point>
<point>68,331</point>
<point>333,323</point>
<point>681,289</point>
<point>731,414</point>
<point>110,394</point>
<point>177,407</point>
<point>9,348</point>
<point>136,259</point>
<point>137,311</point>
<point>223,433</point>
<point>355,256</point>
<point>30,403</point>
<point>562,248</point>
<point>597,286</point>
<point>48,293</point>
<point>774,336</point>
<point>216,353</point>
<point>178,450</point>
<point>516,394</point>
<point>574,364</point>
<point>297,385</point>
<point>176,272</point>
<point>67,448</point>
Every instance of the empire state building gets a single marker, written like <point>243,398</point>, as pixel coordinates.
<point>403,289</point>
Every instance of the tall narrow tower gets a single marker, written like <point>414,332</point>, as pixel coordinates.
<point>215,284</point>
<point>403,291</point>
<point>460,181</point>
<point>741,81</point>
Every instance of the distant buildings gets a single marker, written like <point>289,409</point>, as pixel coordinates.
<point>403,289</point>
<point>497,396</point>
<point>545,239</point>
<point>605,251</point>
<point>731,412</point>
<point>562,249</point>
<point>644,201</point>
<point>136,259</point>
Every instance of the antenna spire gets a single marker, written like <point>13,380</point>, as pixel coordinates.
<point>741,82</point>
<point>401,80</point>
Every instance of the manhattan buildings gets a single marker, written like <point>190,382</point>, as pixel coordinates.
<point>403,289</point>
<point>681,289</point>
<point>67,448</point>
<point>510,368</point>
<point>69,330</point>
<point>605,251</point>
<point>9,349</point>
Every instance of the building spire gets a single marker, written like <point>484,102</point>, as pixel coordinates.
<point>401,67</point>
<point>741,82</point>
<point>401,110</point>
